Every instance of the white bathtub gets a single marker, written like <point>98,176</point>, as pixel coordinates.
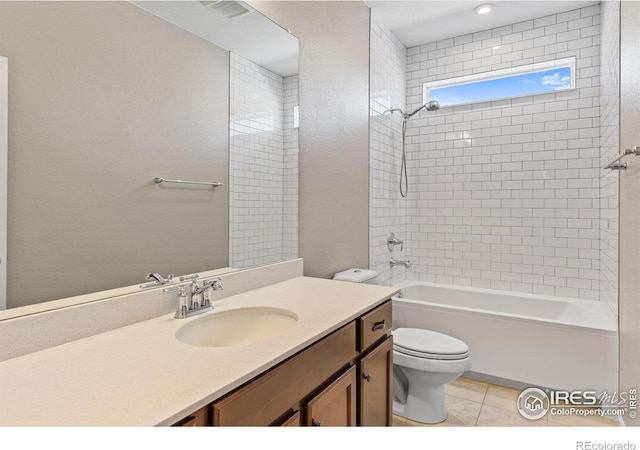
<point>521,339</point>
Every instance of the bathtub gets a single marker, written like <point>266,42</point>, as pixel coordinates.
<point>519,339</point>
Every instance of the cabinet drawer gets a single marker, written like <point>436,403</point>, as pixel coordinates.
<point>292,421</point>
<point>200,418</point>
<point>264,400</point>
<point>374,326</point>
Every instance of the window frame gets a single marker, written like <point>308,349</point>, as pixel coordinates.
<point>569,62</point>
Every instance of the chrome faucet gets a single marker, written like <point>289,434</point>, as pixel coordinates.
<point>397,262</point>
<point>158,280</point>
<point>204,291</point>
<point>197,299</point>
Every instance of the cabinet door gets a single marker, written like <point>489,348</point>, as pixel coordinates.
<point>335,405</point>
<point>375,384</point>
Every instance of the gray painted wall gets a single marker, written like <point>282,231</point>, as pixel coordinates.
<point>629,307</point>
<point>334,130</point>
<point>103,97</point>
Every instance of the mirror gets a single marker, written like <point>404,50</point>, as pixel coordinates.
<point>104,97</point>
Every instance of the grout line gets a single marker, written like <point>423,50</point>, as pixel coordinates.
<point>484,399</point>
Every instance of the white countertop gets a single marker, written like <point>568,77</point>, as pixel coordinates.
<point>141,375</point>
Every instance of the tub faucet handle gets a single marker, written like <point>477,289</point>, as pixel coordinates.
<point>392,241</point>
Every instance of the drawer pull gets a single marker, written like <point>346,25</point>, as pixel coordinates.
<point>367,377</point>
<point>378,326</point>
<point>316,423</point>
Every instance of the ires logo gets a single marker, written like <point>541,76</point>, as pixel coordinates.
<point>575,398</point>
<point>534,403</point>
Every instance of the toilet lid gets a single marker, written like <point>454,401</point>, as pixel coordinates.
<point>428,344</point>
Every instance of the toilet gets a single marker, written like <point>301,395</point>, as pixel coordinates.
<point>423,362</point>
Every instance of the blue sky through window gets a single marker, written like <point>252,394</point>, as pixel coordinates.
<point>519,85</point>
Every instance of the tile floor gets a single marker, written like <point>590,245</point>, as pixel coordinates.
<point>472,403</point>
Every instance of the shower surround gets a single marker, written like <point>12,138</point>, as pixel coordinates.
<point>263,160</point>
<point>505,194</point>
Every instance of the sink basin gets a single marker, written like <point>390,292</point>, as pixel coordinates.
<point>234,327</point>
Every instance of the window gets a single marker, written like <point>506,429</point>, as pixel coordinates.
<point>532,79</point>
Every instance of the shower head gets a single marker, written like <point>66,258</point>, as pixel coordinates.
<point>433,105</point>
<point>429,106</point>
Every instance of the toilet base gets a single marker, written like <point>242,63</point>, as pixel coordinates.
<point>425,404</point>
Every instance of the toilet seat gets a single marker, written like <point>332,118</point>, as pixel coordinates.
<point>428,344</point>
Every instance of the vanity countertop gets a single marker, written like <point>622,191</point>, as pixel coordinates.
<point>141,375</point>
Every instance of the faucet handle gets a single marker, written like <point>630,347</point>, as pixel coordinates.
<point>214,284</point>
<point>196,294</point>
<point>206,298</point>
<point>392,241</point>
<point>181,312</point>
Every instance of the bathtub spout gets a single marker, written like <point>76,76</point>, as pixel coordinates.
<point>397,262</point>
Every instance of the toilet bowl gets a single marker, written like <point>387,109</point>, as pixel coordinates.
<point>423,362</point>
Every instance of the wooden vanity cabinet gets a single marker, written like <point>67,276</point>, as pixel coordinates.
<point>375,367</point>
<point>271,398</point>
<point>342,380</point>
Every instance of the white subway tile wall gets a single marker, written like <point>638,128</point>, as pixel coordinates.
<point>609,143</point>
<point>388,210</point>
<point>290,211</point>
<point>261,166</point>
<point>507,192</point>
<point>504,194</point>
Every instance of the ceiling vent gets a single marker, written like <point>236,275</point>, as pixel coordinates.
<point>228,8</point>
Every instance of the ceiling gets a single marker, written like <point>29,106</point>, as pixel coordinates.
<point>422,21</point>
<point>251,36</point>
<point>414,22</point>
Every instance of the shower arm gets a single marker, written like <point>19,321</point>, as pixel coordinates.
<point>616,165</point>
<point>429,106</point>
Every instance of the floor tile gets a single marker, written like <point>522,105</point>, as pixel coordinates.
<point>492,416</point>
<point>400,422</point>
<point>467,389</point>
<point>502,397</point>
<point>462,412</point>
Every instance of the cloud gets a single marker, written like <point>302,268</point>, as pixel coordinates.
<point>557,80</point>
